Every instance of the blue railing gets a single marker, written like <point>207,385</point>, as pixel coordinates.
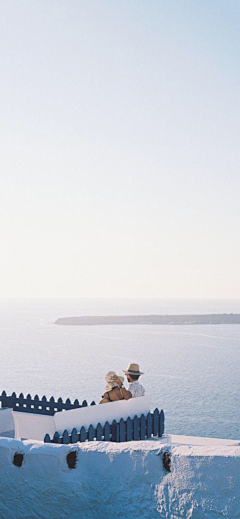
<point>38,405</point>
<point>131,429</point>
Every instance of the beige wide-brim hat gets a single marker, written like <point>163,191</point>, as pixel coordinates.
<point>110,383</point>
<point>133,369</point>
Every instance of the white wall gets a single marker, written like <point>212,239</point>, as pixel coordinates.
<point>36,426</point>
<point>119,480</point>
<point>6,422</point>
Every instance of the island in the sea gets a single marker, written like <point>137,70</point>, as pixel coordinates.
<point>150,319</point>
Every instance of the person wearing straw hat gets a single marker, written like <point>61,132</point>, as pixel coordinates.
<point>135,389</point>
<point>112,392</point>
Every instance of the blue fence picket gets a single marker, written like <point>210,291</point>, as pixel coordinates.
<point>155,422</point>
<point>60,404</point>
<point>106,432</point>
<point>142,427</point>
<point>52,405</point>
<point>36,403</point>
<point>135,428</point>
<point>76,403</point>
<point>44,404</point>
<point>99,432</point>
<point>28,402</point>
<point>84,403</point>
<point>65,438</point>
<point>68,404</point>
<point>20,403</point>
<point>91,433</point>
<point>129,429</point>
<point>4,399</point>
<point>74,436</point>
<point>122,430</point>
<point>56,438</point>
<point>47,438</point>
<point>82,434</point>
<point>149,425</point>
<point>93,403</point>
<point>115,431</point>
<point>161,423</point>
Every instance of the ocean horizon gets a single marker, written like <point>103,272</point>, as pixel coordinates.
<point>191,371</point>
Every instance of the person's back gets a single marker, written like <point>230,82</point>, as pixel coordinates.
<point>113,392</point>
<point>111,396</point>
<point>136,389</point>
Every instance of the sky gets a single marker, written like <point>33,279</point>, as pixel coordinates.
<point>119,148</point>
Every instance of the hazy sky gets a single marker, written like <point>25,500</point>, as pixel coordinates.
<point>120,148</point>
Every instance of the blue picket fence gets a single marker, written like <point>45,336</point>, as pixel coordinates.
<point>131,429</point>
<point>38,405</point>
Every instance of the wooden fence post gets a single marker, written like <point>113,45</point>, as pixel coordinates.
<point>82,434</point>
<point>135,428</point>
<point>161,423</point>
<point>115,431</point>
<point>155,422</point>
<point>36,404</point>
<point>52,405</point>
<point>59,404</point>
<point>65,438</point>
<point>44,404</point>
<point>28,404</point>
<point>122,430</point>
<point>21,403</point>
<point>149,425</point>
<point>74,436</point>
<point>142,427</point>
<point>56,438</point>
<point>68,404</point>
<point>106,432</point>
<point>129,429</point>
<point>99,432</point>
<point>91,433</point>
<point>13,399</point>
<point>3,398</point>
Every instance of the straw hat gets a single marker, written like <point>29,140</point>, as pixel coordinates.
<point>110,383</point>
<point>133,369</point>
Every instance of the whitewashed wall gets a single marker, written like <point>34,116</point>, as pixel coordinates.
<point>118,480</point>
<point>6,422</point>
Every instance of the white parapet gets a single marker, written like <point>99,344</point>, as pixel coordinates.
<point>6,422</point>
<point>200,440</point>
<point>35,426</point>
<point>119,480</point>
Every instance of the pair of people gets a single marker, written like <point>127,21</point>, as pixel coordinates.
<point>115,389</point>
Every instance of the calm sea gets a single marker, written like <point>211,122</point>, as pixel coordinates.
<point>192,372</point>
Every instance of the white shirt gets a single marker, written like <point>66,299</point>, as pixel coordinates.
<point>136,389</point>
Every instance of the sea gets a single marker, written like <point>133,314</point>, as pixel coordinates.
<point>192,372</point>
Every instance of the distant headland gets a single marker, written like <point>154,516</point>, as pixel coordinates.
<point>151,319</point>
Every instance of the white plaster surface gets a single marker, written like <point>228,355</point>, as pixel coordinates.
<point>120,480</point>
<point>101,413</point>
<point>35,426</point>
<point>200,440</point>
<point>6,421</point>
